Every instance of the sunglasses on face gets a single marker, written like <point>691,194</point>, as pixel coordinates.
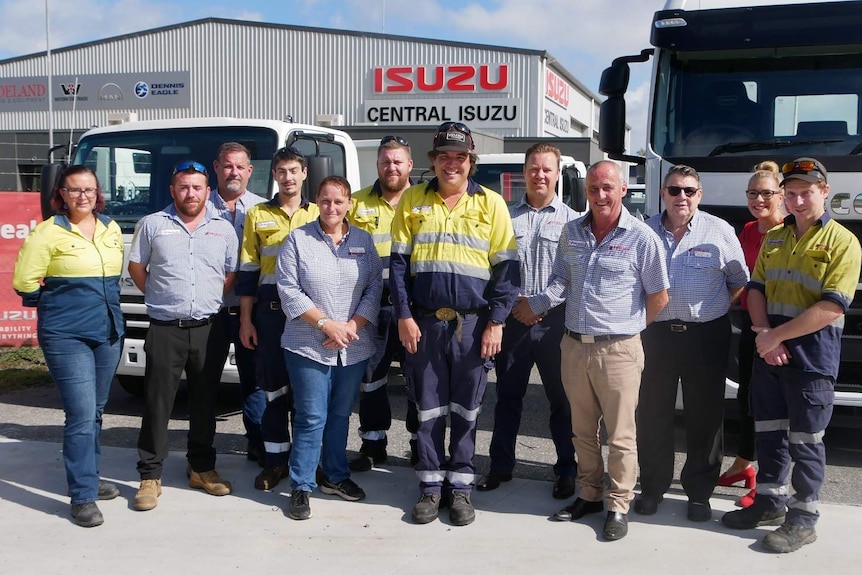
<point>291,149</point>
<point>397,139</point>
<point>677,190</point>
<point>194,166</point>
<point>765,194</point>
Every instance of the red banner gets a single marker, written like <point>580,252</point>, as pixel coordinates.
<point>20,213</point>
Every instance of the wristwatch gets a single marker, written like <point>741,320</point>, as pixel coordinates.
<point>321,322</point>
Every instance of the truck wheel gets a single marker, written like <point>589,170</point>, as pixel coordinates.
<point>132,385</point>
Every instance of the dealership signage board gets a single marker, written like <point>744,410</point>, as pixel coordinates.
<point>97,92</point>
<point>21,212</point>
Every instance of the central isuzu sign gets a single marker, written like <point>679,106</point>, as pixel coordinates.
<point>475,112</point>
<point>454,78</point>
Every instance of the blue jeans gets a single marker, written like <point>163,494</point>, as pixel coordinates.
<point>323,397</point>
<point>83,371</point>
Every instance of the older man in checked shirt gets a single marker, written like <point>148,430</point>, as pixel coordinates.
<point>688,342</point>
<point>533,331</point>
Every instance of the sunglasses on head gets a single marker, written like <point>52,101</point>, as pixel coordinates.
<point>801,166</point>
<point>677,190</point>
<point>446,126</point>
<point>765,194</point>
<point>397,139</point>
<point>190,165</point>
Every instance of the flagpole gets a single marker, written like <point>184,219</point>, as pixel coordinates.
<point>50,84</point>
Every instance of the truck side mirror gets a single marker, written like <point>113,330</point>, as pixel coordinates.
<point>48,180</point>
<point>612,126</point>
<point>574,194</point>
<point>319,168</point>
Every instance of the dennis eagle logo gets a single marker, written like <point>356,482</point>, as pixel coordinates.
<point>142,90</point>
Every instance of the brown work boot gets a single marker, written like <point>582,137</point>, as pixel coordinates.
<point>269,478</point>
<point>148,493</point>
<point>210,482</point>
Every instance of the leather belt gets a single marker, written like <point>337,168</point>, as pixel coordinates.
<point>447,313</point>
<point>183,323</point>
<point>232,310</point>
<point>274,305</point>
<point>584,338</point>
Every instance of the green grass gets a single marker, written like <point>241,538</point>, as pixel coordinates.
<point>22,368</point>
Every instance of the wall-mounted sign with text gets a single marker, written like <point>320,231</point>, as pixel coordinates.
<point>475,112</point>
<point>97,92</point>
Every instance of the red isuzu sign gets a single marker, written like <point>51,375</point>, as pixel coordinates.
<point>557,89</point>
<point>21,212</point>
<point>453,78</point>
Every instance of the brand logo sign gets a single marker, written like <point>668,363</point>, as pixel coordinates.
<point>557,89</point>
<point>70,89</point>
<point>476,112</point>
<point>458,78</point>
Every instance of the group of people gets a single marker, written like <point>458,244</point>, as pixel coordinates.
<point>319,299</point>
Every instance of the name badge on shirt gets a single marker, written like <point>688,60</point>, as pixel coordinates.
<point>264,225</point>
<point>422,209</point>
<point>700,253</point>
<point>366,212</point>
<point>356,251</point>
<point>577,243</point>
<point>167,233</point>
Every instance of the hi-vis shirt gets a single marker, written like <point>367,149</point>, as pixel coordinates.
<point>794,274</point>
<point>80,297</point>
<point>372,213</point>
<point>465,259</point>
<point>266,227</point>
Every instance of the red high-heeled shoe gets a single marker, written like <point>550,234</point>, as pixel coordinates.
<point>748,475</point>
<point>747,500</point>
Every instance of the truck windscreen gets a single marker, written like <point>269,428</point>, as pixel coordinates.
<point>134,167</point>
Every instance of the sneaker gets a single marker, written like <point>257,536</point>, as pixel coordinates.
<point>347,489</point>
<point>754,516</point>
<point>426,509</point>
<point>269,478</point>
<point>461,510</point>
<point>300,508</point>
<point>210,482</point>
<point>789,537</point>
<point>107,491</point>
<point>87,515</point>
<point>147,496</point>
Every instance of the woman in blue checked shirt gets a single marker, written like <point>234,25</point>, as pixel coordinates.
<point>69,269</point>
<point>329,283</point>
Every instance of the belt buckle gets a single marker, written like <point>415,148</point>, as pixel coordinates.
<point>275,306</point>
<point>233,310</point>
<point>588,338</point>
<point>678,327</point>
<point>445,314</point>
<point>182,322</point>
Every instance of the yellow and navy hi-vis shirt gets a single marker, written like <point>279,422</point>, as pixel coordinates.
<point>794,274</point>
<point>266,227</point>
<point>79,293</point>
<point>372,213</point>
<point>463,259</point>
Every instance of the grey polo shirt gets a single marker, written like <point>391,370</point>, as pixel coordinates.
<point>186,270</point>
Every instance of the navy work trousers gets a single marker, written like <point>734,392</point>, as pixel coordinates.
<point>447,376</point>
<point>272,378</point>
<point>523,347</point>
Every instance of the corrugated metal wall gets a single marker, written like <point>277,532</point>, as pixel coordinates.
<point>265,71</point>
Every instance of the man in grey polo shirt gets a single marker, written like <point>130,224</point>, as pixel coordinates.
<point>184,260</point>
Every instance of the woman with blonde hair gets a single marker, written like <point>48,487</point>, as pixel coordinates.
<point>765,200</point>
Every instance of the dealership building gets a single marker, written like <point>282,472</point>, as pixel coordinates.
<point>369,84</point>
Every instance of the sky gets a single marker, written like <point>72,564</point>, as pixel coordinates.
<point>584,35</point>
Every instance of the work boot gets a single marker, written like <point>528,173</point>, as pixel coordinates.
<point>426,509</point>
<point>210,482</point>
<point>87,515</point>
<point>300,508</point>
<point>147,496</point>
<point>754,516</point>
<point>107,491</point>
<point>461,510</point>
<point>370,454</point>
<point>789,537</point>
<point>269,478</point>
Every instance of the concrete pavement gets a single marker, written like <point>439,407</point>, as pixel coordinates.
<point>191,532</point>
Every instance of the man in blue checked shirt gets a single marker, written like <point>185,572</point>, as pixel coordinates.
<point>611,273</point>
<point>532,336</point>
<point>688,343</point>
